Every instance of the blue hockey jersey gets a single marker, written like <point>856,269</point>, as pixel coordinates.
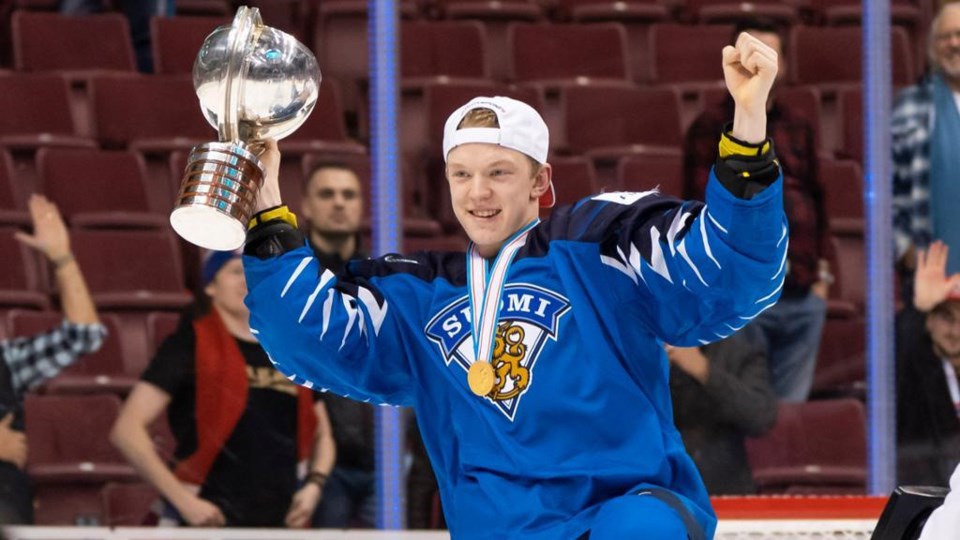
<point>585,413</point>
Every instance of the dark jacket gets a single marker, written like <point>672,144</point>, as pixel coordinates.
<point>928,431</point>
<point>738,401</point>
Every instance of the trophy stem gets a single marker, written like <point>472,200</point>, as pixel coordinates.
<point>218,195</point>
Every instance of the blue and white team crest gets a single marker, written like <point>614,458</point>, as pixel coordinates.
<point>528,316</point>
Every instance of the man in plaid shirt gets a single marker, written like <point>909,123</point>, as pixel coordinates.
<point>924,128</point>
<point>26,362</point>
<point>791,330</point>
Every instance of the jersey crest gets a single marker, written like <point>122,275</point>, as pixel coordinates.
<point>529,315</point>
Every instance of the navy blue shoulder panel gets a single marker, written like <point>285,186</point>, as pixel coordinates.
<point>424,265</point>
<point>605,219</point>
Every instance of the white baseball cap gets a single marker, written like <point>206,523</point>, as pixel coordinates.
<point>521,129</point>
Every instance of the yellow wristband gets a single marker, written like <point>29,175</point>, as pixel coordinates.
<point>730,147</point>
<point>280,212</point>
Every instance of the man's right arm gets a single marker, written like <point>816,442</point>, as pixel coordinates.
<point>324,331</point>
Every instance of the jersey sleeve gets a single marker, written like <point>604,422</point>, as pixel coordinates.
<point>702,270</point>
<point>323,331</point>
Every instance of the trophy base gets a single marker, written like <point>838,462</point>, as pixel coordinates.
<point>208,227</point>
<point>218,195</point>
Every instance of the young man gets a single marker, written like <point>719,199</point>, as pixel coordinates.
<point>535,363</point>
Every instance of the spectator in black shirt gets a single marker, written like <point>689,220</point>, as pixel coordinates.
<point>242,429</point>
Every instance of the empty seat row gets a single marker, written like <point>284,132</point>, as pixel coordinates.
<point>535,52</point>
<point>817,447</point>
<point>71,459</point>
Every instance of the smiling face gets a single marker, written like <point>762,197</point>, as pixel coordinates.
<point>945,42</point>
<point>495,191</point>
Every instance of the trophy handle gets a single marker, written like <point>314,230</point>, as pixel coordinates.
<point>245,30</point>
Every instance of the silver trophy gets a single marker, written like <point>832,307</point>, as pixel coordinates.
<point>254,83</point>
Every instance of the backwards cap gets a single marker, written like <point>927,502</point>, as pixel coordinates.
<point>521,129</point>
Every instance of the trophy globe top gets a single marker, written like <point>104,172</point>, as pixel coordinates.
<point>255,82</point>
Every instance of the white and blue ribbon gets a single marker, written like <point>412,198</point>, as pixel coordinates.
<point>486,288</point>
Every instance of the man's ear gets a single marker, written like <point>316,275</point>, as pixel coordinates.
<point>541,182</point>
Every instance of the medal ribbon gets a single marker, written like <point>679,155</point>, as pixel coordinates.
<point>486,289</point>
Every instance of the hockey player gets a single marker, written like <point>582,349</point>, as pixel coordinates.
<point>535,361</point>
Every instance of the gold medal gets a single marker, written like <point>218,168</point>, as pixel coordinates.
<point>481,378</point>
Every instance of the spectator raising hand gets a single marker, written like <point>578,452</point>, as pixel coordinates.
<point>49,233</point>
<point>931,283</point>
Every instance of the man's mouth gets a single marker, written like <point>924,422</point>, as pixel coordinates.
<point>484,213</point>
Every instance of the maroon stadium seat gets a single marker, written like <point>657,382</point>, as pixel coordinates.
<point>340,43</point>
<point>154,115</point>
<point>645,172</point>
<point>35,112</point>
<point>102,371</point>
<point>847,11</point>
<point>325,129</point>
<point>841,364</point>
<point>148,112</point>
<point>127,505</point>
<point>96,188</point>
<point>688,55</point>
<point>817,444</point>
<point>568,52</point>
<point>204,8</point>
<point>574,178</point>
<point>131,269</point>
<point>453,49</point>
<point>725,11</point>
<point>616,120</point>
<point>843,185</point>
<point>160,324</point>
<point>291,16</point>
<point>832,55</point>
<point>175,41</point>
<point>592,10</point>
<point>71,457</point>
<point>20,281</point>
<point>851,118</point>
<point>636,16</point>
<point>55,42</point>
<point>12,210</point>
<point>849,269</point>
<point>496,16</point>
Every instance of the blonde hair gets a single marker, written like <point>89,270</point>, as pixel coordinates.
<point>486,118</point>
